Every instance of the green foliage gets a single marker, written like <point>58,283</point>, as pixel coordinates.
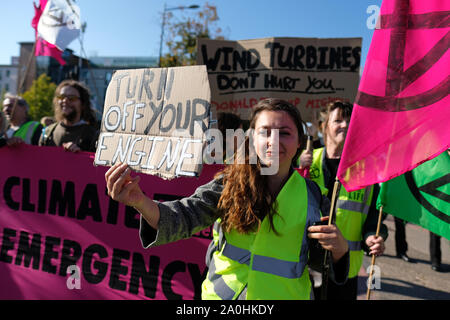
<point>2,95</point>
<point>182,34</point>
<point>39,97</point>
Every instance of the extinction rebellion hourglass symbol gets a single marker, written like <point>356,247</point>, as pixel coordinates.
<point>398,79</point>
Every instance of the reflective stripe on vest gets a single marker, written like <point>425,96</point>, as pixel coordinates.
<point>220,287</point>
<point>26,131</point>
<point>282,268</point>
<point>354,245</point>
<point>353,206</point>
<point>257,262</point>
<point>236,254</point>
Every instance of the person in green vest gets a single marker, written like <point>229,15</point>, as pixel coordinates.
<point>262,211</point>
<point>21,128</point>
<point>356,214</point>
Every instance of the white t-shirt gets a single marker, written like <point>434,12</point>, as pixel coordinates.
<point>11,130</point>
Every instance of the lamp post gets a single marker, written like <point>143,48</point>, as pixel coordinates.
<point>194,6</point>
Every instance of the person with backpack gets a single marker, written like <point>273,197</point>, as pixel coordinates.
<point>75,128</point>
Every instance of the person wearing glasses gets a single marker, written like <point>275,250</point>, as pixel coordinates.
<point>75,128</point>
<point>21,128</point>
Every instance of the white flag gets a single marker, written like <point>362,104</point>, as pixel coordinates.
<point>60,23</point>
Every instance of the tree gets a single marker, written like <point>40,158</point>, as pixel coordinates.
<point>2,95</point>
<point>183,33</point>
<point>40,97</point>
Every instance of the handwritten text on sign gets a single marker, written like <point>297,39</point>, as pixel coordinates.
<point>155,120</point>
<point>304,71</point>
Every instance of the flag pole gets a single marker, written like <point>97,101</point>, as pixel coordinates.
<point>369,283</point>
<point>309,143</point>
<point>336,189</point>
<point>27,69</point>
<point>23,77</point>
<point>305,171</point>
<point>326,259</point>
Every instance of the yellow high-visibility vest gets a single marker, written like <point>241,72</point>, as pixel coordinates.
<point>26,131</point>
<point>351,211</point>
<point>263,265</point>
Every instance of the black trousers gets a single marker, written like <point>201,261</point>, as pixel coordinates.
<point>348,291</point>
<point>435,248</point>
<point>401,246</point>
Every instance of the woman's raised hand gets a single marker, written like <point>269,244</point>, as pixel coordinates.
<point>122,187</point>
<point>125,189</point>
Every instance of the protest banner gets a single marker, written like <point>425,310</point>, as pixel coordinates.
<point>55,217</point>
<point>155,120</point>
<point>308,72</point>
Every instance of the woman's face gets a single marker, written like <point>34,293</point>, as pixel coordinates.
<point>337,127</point>
<point>272,147</point>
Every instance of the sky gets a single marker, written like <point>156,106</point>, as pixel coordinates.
<point>133,27</point>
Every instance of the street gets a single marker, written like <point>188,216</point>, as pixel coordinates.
<point>401,280</point>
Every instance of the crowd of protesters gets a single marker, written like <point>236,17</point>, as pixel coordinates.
<point>73,126</point>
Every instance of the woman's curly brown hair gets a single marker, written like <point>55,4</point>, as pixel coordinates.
<point>245,199</point>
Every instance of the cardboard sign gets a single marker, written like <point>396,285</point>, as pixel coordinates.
<point>155,120</point>
<point>308,72</point>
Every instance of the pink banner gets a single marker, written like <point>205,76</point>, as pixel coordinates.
<point>402,109</point>
<point>55,215</point>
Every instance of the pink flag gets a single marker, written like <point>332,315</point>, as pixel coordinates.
<point>401,113</point>
<point>44,48</point>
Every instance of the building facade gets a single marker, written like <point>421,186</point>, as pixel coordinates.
<point>8,76</point>
<point>98,73</point>
<point>95,72</point>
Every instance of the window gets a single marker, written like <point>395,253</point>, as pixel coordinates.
<point>8,72</point>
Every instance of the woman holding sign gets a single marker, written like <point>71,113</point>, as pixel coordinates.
<point>262,223</point>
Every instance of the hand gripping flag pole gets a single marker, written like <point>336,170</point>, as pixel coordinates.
<point>369,283</point>
<point>304,171</point>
